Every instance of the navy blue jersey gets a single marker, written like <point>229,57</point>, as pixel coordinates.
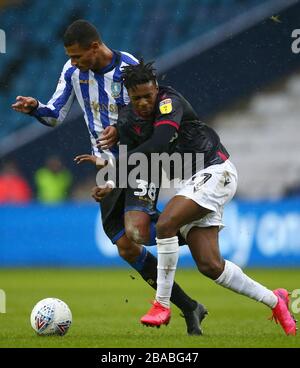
<point>190,134</point>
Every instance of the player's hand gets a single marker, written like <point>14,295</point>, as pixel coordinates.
<point>98,161</point>
<point>25,104</point>
<point>99,193</point>
<point>108,138</point>
<point>85,158</point>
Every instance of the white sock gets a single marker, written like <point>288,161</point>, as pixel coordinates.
<point>167,257</point>
<point>233,278</point>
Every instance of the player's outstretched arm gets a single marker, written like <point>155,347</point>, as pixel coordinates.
<point>56,110</point>
<point>25,104</point>
<point>99,162</point>
<point>85,158</point>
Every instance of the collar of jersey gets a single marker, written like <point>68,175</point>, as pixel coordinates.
<point>110,66</point>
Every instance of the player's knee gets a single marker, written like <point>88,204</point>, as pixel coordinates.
<point>212,269</point>
<point>137,233</point>
<point>166,228</point>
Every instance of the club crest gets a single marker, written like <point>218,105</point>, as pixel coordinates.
<point>115,89</point>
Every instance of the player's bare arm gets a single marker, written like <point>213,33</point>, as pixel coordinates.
<point>97,161</point>
<point>25,104</point>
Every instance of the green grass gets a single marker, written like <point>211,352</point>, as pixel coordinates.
<point>107,305</point>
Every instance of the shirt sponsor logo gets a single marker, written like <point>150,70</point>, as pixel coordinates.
<point>98,107</point>
<point>165,106</point>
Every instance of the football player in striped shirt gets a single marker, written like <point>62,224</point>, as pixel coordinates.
<point>92,75</point>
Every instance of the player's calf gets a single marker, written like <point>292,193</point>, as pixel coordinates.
<point>211,268</point>
<point>128,250</point>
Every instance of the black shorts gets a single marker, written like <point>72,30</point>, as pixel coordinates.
<point>119,201</point>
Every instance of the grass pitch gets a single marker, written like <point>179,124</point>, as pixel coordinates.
<point>107,305</point>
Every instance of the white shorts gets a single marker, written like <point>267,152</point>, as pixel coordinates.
<point>211,188</point>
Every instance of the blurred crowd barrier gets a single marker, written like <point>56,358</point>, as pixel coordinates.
<point>257,234</point>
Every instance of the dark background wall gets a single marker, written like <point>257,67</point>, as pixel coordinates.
<point>239,66</point>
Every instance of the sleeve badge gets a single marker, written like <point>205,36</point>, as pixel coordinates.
<point>165,106</point>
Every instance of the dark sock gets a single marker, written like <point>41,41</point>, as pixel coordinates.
<point>146,265</point>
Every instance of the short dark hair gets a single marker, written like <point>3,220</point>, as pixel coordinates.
<point>81,32</point>
<point>141,73</point>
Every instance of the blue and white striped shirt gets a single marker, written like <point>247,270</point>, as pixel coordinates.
<point>99,95</point>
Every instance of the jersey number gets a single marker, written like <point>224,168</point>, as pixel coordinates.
<point>206,177</point>
<point>143,189</point>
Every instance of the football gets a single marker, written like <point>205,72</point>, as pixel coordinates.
<point>51,316</point>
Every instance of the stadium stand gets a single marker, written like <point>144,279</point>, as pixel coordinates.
<point>147,28</point>
<point>263,138</point>
<point>150,28</point>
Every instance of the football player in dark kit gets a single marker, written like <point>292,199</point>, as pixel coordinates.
<point>196,210</point>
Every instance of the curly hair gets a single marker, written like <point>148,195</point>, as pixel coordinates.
<point>141,73</point>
